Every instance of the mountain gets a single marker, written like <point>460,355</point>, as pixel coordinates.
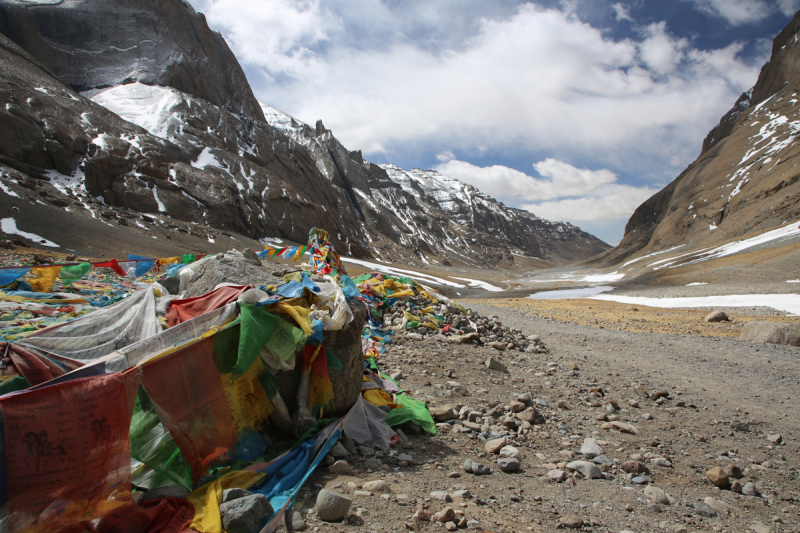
<point>136,111</point>
<point>745,182</point>
<point>440,219</point>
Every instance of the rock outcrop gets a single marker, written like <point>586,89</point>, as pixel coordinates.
<point>744,182</point>
<point>91,44</point>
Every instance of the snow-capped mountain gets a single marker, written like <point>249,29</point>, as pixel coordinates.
<point>165,124</point>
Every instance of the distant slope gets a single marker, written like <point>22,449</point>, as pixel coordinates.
<point>745,182</point>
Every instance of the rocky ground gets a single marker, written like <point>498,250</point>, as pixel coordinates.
<point>612,430</point>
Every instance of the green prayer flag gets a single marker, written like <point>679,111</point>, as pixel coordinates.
<point>72,273</point>
<point>257,327</point>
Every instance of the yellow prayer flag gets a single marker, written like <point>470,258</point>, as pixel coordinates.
<point>43,278</point>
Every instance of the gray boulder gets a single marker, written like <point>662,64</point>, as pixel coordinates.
<point>332,506</point>
<point>771,332</point>
<point>246,515</point>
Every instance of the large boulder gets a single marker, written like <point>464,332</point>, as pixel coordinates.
<point>771,332</point>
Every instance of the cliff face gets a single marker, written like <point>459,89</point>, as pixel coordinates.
<point>91,44</point>
<point>745,181</point>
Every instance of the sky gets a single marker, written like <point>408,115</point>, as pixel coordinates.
<point>576,110</point>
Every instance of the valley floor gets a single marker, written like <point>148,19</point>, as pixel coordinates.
<point>711,379</point>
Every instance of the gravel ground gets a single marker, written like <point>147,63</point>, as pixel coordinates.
<point>710,382</point>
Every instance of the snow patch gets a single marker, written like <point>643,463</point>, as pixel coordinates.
<point>9,227</point>
<point>481,285</point>
<point>789,303</point>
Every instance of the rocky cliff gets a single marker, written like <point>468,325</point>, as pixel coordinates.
<point>745,181</point>
<point>138,107</point>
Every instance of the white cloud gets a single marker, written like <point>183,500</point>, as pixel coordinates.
<point>738,12</point>
<point>788,7</point>
<point>385,75</point>
<point>621,12</point>
<point>445,156</point>
<point>608,202</point>
<point>564,192</point>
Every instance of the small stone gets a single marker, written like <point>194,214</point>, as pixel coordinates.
<point>587,469</point>
<point>480,470</point>
<point>467,466</point>
<point>717,316</point>
<point>441,495</point>
<point>245,515</point>
<point>562,405</point>
<point>621,427</point>
<point>341,468</point>
<point>362,493</point>
<point>528,415</point>
<point>657,495</point>
<point>454,474</point>
<point>640,480</point>
<point>509,451</point>
<point>332,506</point>
<point>378,486</point>
<point>749,489</point>
<point>473,524</point>
<point>443,413</point>
<point>557,476</point>
<point>775,439</point>
<point>591,449</point>
<point>445,515</point>
<point>738,425</point>
<point>633,403</point>
<point>497,345</point>
<point>721,508</point>
<point>365,451</point>
<point>704,510</point>
<point>494,364</point>
<point>732,471</point>
<point>508,464</point>
<point>659,394</point>
<point>450,526</point>
<point>463,494</point>
<point>338,451</point>
<point>572,522</point>
<point>572,365</point>
<point>717,476</point>
<point>516,407</point>
<point>660,461</point>
<point>494,446</point>
<point>294,521</point>
<point>736,487</point>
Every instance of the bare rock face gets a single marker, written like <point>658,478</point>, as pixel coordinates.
<point>92,44</point>
<point>745,160</point>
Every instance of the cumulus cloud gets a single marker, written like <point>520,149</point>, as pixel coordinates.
<point>563,192</point>
<point>739,12</point>
<point>621,12</point>
<point>473,76</point>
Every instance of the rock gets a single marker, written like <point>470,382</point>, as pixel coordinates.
<point>634,467</point>
<point>378,486</point>
<point>736,487</point>
<point>717,316</point>
<point>480,470</point>
<point>720,507</point>
<point>557,476</point>
<point>164,492</point>
<point>704,510</point>
<point>463,494</point>
<point>501,346</point>
<point>467,466</point>
<point>749,489</point>
<point>660,461</point>
<point>338,451</point>
<point>494,364</point>
<point>441,495</point>
<point>572,365</point>
<point>571,522</point>
<point>771,332</point>
<point>473,524</point>
<point>494,446</point>
<point>775,439</point>
<point>621,427</point>
<point>508,464</point>
<point>591,449</point>
<point>659,394</point>
<point>657,495</point>
<point>528,415</point>
<point>738,425</point>
<point>587,469</point>
<point>451,526</point>
<point>294,521</point>
<point>717,476</point>
<point>509,451</point>
<point>248,514</point>
<point>443,413</point>
<point>332,506</point>
<point>516,407</point>
<point>233,494</point>
<point>732,471</point>
<point>445,515</point>
<point>342,468</point>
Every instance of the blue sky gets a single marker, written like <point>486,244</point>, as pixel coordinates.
<point>576,110</point>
